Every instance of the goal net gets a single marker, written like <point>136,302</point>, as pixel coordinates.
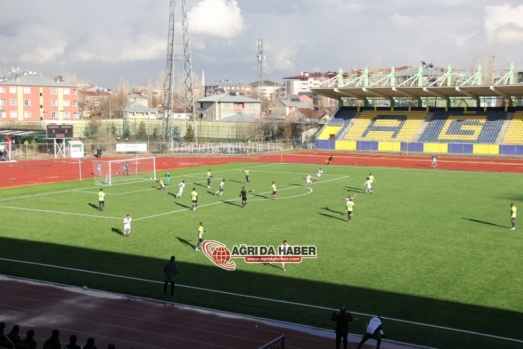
<point>109,172</point>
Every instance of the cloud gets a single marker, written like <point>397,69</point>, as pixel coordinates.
<point>503,24</point>
<point>220,18</point>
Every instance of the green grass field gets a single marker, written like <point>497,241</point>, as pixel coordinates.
<point>430,251</point>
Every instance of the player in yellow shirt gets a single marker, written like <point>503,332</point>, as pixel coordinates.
<point>349,203</point>
<point>101,200</point>
<point>513,214</point>
<point>247,176</point>
<point>209,178</point>
<point>201,231</point>
<point>274,191</point>
<point>194,198</point>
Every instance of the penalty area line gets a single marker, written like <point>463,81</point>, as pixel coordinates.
<point>265,299</point>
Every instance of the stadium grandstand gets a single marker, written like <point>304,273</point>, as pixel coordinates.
<point>490,123</point>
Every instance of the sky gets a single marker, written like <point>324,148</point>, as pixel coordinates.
<point>106,41</point>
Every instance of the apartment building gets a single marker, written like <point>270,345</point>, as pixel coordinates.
<point>28,96</point>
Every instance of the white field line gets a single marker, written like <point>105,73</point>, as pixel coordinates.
<point>265,299</point>
<point>57,212</point>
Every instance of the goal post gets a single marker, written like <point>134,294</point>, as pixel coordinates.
<point>109,172</point>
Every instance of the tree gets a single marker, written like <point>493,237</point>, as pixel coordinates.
<point>141,133</point>
<point>189,136</point>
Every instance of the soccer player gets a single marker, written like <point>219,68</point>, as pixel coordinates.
<point>247,176</point>
<point>282,251</point>
<point>99,169</point>
<point>181,187</point>
<point>308,180</point>
<point>368,186</point>
<point>201,231</point>
<point>434,161</point>
<point>349,203</point>
<point>127,225</point>
<point>168,177</point>
<point>328,161</point>
<point>513,214</point>
<point>320,172</point>
<point>194,199</point>
<point>126,169</point>
<point>274,191</point>
<point>372,179</point>
<point>161,185</point>
<point>101,200</point>
<point>209,178</point>
<point>220,188</point>
<point>243,195</point>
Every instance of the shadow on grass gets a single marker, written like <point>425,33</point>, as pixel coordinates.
<point>231,203</point>
<point>260,196</point>
<point>172,194</point>
<point>185,242</point>
<point>331,216</point>
<point>117,231</point>
<point>200,185</point>
<point>354,189</point>
<point>296,185</point>
<point>263,291</point>
<point>235,181</point>
<point>182,205</point>
<point>484,222</point>
<point>94,206</point>
<point>333,211</point>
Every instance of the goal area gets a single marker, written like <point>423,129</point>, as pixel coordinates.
<point>109,172</point>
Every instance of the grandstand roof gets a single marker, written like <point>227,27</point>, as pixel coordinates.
<point>502,91</point>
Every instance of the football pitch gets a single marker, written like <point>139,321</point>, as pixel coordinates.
<point>430,251</point>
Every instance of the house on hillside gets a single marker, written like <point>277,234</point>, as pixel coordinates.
<point>138,108</point>
<point>312,116</point>
<point>284,107</point>
<point>217,107</point>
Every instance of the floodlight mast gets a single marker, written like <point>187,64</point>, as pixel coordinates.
<point>178,85</point>
<point>261,83</point>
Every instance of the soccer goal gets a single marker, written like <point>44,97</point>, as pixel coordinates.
<point>109,172</point>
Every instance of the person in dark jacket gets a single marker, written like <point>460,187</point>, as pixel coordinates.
<point>90,344</point>
<point>342,318</point>
<point>14,336</point>
<point>53,342</point>
<point>170,271</point>
<point>28,342</point>
<point>73,343</point>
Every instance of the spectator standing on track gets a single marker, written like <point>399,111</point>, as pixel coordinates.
<point>168,177</point>
<point>28,342</point>
<point>14,336</point>
<point>127,225</point>
<point>201,239</point>
<point>194,199</point>
<point>54,341</point>
<point>99,169</point>
<point>90,344</point>
<point>373,330</point>
<point>181,187</point>
<point>73,343</point>
<point>101,200</point>
<point>513,214</point>
<point>342,326</point>
<point>328,161</point>
<point>126,168</point>
<point>170,271</point>
<point>209,178</point>
<point>434,161</point>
